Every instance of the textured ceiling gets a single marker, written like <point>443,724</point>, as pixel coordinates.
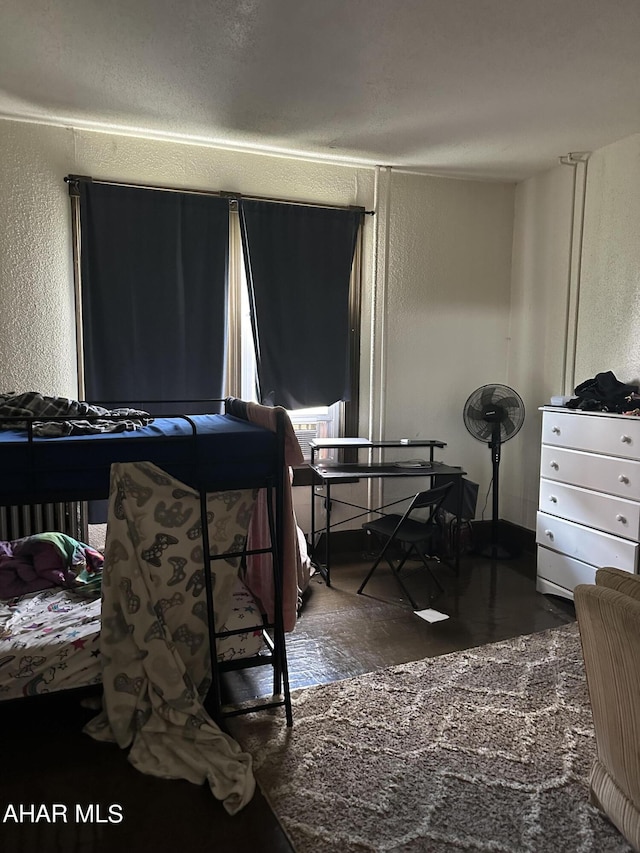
<point>477,88</point>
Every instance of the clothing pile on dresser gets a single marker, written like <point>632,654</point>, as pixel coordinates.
<point>605,393</point>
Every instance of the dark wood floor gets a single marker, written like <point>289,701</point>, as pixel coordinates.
<point>47,759</point>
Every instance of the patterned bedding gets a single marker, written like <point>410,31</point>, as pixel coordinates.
<point>49,640</point>
<point>153,639</point>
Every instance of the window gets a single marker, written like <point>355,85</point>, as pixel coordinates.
<point>158,264</point>
<point>309,423</point>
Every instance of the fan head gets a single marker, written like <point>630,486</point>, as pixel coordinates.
<point>490,405</point>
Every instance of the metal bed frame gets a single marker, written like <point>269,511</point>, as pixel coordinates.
<point>273,632</point>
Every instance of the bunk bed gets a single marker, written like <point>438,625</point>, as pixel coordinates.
<point>215,455</point>
<point>213,450</point>
<point>185,493</point>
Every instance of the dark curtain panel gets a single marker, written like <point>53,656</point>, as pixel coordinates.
<point>154,294</point>
<point>298,261</point>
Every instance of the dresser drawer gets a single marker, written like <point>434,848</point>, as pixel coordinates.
<point>613,436</point>
<point>564,571</point>
<point>585,544</point>
<point>593,509</point>
<point>610,474</point>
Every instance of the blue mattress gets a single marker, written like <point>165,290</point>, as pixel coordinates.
<point>227,452</point>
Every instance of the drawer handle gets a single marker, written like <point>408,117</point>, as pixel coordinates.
<point>621,519</point>
<point>555,430</point>
<point>623,478</point>
<point>625,439</point>
<point>554,465</point>
<point>553,499</point>
<point>549,534</point>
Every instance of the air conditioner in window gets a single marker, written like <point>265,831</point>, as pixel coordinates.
<point>310,426</point>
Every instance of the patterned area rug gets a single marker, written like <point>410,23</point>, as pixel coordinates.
<point>488,749</point>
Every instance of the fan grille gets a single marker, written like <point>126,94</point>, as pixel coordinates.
<point>490,404</point>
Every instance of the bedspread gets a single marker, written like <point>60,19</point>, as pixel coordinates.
<point>259,576</point>
<point>154,642</point>
<point>44,560</point>
<point>49,642</point>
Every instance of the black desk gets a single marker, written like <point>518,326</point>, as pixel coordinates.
<point>330,472</point>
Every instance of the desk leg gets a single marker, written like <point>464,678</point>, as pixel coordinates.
<point>327,550</point>
<point>323,569</point>
<point>312,543</point>
<point>459,520</point>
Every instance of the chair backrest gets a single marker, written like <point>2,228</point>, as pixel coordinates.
<point>431,499</point>
<point>451,502</point>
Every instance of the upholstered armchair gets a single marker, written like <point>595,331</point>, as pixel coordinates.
<point>609,621</point>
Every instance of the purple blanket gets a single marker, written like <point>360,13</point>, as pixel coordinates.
<point>42,561</point>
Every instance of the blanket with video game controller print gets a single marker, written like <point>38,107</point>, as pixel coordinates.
<point>154,641</point>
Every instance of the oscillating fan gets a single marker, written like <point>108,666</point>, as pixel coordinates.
<point>494,413</point>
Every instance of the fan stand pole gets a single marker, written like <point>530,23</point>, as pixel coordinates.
<point>494,550</point>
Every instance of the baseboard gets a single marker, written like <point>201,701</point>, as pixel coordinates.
<point>344,543</point>
<point>512,536</point>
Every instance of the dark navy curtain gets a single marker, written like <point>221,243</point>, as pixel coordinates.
<point>154,295</point>
<point>298,262</point>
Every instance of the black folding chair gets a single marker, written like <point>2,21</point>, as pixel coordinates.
<point>416,535</point>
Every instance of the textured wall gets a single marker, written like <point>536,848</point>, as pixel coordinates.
<point>542,237</point>
<point>606,282</point>
<point>37,343</point>
<point>37,338</point>
<point>447,299</point>
<point>609,310</point>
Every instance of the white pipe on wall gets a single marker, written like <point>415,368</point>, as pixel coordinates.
<point>379,301</point>
<point>578,160</point>
<point>378,350</point>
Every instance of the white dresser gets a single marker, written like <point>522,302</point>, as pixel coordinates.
<point>589,506</point>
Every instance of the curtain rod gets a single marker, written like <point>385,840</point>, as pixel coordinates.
<point>74,180</point>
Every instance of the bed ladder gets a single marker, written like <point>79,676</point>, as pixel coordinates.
<point>273,633</point>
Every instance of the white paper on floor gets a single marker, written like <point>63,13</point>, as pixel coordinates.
<point>430,615</point>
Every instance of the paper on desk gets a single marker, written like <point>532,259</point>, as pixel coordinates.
<point>430,615</point>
